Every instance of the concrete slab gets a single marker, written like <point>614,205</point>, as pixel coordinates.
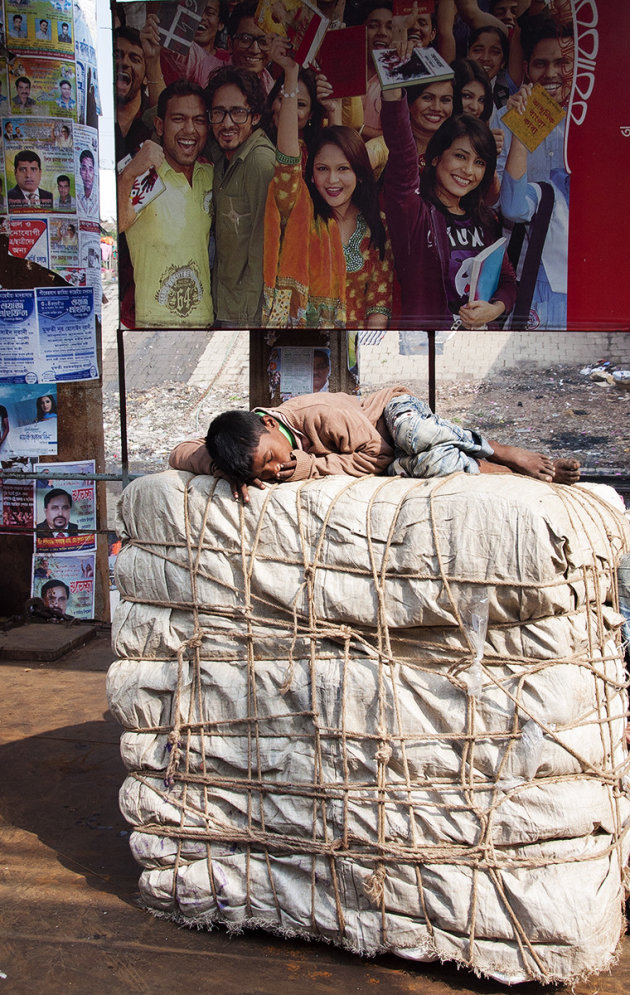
<point>43,642</point>
<point>70,919</point>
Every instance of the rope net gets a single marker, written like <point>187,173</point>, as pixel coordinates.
<point>386,713</point>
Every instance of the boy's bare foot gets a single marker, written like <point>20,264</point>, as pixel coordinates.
<point>524,461</point>
<point>566,471</point>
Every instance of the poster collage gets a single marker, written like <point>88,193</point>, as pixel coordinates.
<point>522,254</point>
<point>49,216</point>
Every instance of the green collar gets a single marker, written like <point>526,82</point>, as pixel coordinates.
<point>285,431</point>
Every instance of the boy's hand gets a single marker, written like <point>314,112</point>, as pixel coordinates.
<point>238,487</point>
<point>285,471</point>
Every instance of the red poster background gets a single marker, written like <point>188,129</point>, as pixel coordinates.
<point>599,162</point>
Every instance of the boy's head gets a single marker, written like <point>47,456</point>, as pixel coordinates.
<point>245,445</point>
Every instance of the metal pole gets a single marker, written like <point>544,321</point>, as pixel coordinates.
<point>431,370</point>
<point>122,402</point>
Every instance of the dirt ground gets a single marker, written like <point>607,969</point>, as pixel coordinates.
<point>558,410</point>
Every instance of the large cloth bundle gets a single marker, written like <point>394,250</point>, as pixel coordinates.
<point>383,712</point>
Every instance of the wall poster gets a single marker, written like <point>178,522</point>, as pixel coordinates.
<point>528,241</point>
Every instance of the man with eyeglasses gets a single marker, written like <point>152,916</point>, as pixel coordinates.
<point>248,43</point>
<point>243,160</point>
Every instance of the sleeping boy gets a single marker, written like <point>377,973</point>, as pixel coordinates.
<point>316,435</point>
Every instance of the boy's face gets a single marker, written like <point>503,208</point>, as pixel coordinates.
<point>272,451</point>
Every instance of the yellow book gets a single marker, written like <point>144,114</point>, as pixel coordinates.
<point>541,116</point>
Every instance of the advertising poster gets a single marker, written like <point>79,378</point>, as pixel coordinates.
<point>86,169</point>
<point>36,153</point>
<point>47,335</point>
<point>64,241</point>
<point>550,183</point>
<point>85,32</point>
<point>90,259</point>
<point>43,26</point>
<point>28,239</point>
<point>16,498</point>
<point>67,338</point>
<point>18,337</point>
<point>65,510</point>
<point>65,582</point>
<point>29,416</point>
<point>296,370</point>
<point>4,87</point>
<point>42,87</point>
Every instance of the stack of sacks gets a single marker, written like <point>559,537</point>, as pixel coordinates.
<point>388,713</point>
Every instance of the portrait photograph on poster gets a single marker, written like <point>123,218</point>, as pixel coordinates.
<point>290,207</point>
<point>36,153</point>
<point>42,87</point>
<point>42,26</point>
<point>65,583</point>
<point>296,370</point>
<point>65,510</point>
<point>29,420</point>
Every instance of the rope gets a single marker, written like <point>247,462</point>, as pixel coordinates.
<point>366,783</point>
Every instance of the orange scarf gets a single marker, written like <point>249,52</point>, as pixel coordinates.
<point>304,268</point>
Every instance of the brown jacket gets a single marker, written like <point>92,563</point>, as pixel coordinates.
<point>335,433</point>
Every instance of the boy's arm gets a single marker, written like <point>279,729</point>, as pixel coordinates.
<point>363,462</point>
<point>191,456</point>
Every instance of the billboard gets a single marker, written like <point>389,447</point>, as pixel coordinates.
<point>499,214</point>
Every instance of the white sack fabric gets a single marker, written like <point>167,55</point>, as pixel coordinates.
<point>383,712</point>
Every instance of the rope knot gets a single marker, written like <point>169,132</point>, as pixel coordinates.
<point>384,752</point>
<point>309,573</point>
<point>374,886</point>
<point>173,746</point>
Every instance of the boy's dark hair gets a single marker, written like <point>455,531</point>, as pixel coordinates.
<point>54,493</point>
<point>231,441</point>
<point>247,82</point>
<point>86,154</point>
<point>179,88</point>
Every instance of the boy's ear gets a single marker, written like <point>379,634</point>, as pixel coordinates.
<point>269,422</point>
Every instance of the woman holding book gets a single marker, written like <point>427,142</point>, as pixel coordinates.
<point>437,230</point>
<point>327,258</point>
